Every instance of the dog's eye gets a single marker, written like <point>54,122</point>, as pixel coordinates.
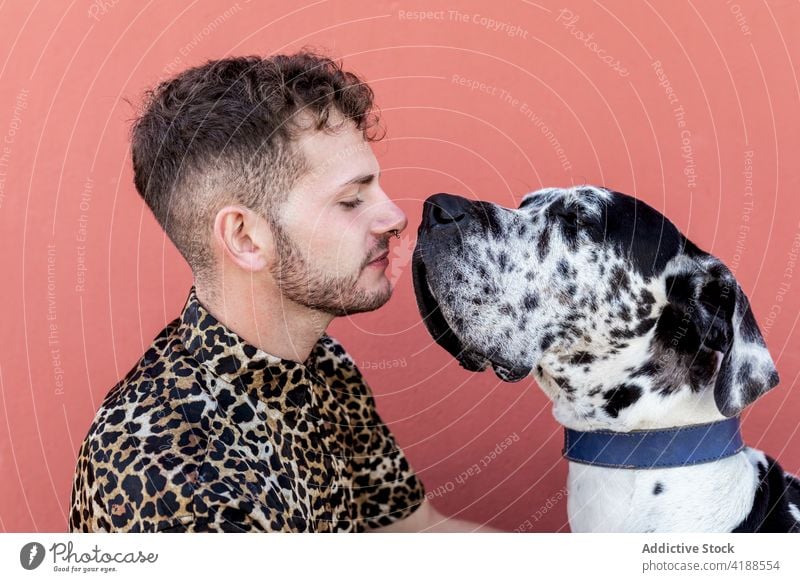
<point>570,217</point>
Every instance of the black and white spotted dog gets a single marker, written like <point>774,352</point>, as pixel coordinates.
<point>631,330</point>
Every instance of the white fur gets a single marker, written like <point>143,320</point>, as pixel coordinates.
<point>710,497</point>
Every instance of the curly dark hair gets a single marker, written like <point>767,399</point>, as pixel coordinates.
<point>224,132</point>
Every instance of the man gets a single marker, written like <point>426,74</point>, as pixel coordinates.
<point>243,415</point>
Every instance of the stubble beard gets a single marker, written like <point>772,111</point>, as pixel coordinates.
<point>331,294</point>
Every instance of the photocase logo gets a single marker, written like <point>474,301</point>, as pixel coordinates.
<point>31,555</point>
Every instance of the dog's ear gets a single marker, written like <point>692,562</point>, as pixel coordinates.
<point>719,312</point>
<point>747,370</point>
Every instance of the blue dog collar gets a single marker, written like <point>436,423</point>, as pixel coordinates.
<point>655,449</point>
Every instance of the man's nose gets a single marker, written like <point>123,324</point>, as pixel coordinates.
<point>392,219</point>
<point>444,209</point>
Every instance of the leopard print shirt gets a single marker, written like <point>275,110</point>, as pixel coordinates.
<point>209,433</point>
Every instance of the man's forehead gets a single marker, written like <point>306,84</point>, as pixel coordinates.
<point>330,155</point>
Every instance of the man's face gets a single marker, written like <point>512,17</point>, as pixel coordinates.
<point>332,234</point>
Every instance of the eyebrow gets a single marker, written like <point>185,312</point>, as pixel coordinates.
<point>363,179</point>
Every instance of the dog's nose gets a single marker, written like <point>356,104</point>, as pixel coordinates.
<point>443,209</point>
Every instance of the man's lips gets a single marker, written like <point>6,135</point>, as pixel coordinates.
<point>381,260</point>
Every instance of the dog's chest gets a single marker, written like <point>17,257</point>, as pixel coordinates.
<point>709,497</point>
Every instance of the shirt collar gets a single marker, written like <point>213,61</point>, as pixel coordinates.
<point>279,382</point>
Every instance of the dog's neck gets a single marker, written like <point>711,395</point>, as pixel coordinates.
<point>615,499</point>
<point>709,497</point>
<point>595,399</point>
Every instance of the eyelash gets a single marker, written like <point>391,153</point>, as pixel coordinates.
<point>352,203</point>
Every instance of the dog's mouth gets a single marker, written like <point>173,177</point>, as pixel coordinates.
<point>444,335</point>
<point>437,326</point>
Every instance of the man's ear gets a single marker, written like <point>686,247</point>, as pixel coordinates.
<point>243,236</point>
<point>726,324</point>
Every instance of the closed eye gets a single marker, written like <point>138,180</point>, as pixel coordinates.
<point>350,204</point>
<point>570,217</point>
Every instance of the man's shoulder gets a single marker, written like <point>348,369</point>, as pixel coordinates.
<point>329,348</point>
<point>165,372</point>
<point>335,364</point>
<point>148,441</point>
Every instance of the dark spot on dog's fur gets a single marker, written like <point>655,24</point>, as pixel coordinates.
<point>570,236</point>
<point>530,301</point>
<point>564,385</point>
<point>774,378</point>
<point>650,369</point>
<point>701,369</point>
<point>502,261</point>
<point>674,331</point>
<point>544,244</point>
<point>506,309</point>
<point>619,397</point>
<point>643,311</point>
<point>645,325</point>
<point>680,288</point>
<point>547,341</point>
<point>486,213</point>
<point>620,279</point>
<point>622,333</point>
<point>744,373</point>
<point>581,358</point>
<point>658,489</point>
<point>625,219</point>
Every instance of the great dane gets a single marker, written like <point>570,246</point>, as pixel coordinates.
<point>646,345</point>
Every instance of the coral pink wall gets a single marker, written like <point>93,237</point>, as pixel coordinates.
<point>491,100</point>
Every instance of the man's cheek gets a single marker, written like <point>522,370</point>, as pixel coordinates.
<point>337,260</point>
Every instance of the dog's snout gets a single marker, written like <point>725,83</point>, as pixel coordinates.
<point>444,209</point>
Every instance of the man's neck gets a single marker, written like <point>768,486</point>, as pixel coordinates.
<point>266,319</point>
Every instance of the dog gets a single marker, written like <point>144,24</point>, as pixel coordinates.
<point>646,345</point>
